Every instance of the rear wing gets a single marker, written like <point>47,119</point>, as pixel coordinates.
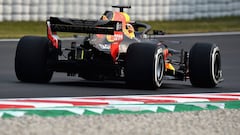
<point>55,24</point>
<point>84,26</point>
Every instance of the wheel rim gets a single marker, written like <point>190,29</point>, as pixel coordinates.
<point>159,68</point>
<point>216,65</point>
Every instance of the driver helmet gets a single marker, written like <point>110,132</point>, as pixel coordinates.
<point>129,29</point>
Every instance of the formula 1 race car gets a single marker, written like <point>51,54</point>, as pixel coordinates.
<point>114,48</point>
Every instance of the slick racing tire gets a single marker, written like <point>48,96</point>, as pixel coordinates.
<point>144,66</point>
<point>31,60</point>
<point>205,65</point>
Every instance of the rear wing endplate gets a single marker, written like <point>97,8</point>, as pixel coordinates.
<point>84,26</point>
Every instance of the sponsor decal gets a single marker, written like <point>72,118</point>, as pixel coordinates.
<point>117,37</point>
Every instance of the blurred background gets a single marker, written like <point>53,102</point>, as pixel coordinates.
<point>145,10</point>
<point>28,17</point>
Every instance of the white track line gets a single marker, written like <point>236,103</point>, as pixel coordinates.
<point>158,36</point>
<point>198,34</point>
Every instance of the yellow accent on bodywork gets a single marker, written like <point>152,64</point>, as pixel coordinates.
<point>169,66</point>
<point>82,54</point>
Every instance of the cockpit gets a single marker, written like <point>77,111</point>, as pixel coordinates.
<point>127,27</point>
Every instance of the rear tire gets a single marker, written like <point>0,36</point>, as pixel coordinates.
<point>205,65</point>
<point>31,60</point>
<point>144,66</point>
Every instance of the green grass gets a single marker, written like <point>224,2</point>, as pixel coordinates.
<point>19,29</point>
<point>223,24</point>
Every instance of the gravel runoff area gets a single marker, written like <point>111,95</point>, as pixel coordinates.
<point>217,122</point>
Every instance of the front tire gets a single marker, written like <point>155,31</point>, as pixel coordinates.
<point>144,66</point>
<point>31,60</point>
<point>205,65</point>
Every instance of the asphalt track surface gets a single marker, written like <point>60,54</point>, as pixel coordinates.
<point>63,86</point>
